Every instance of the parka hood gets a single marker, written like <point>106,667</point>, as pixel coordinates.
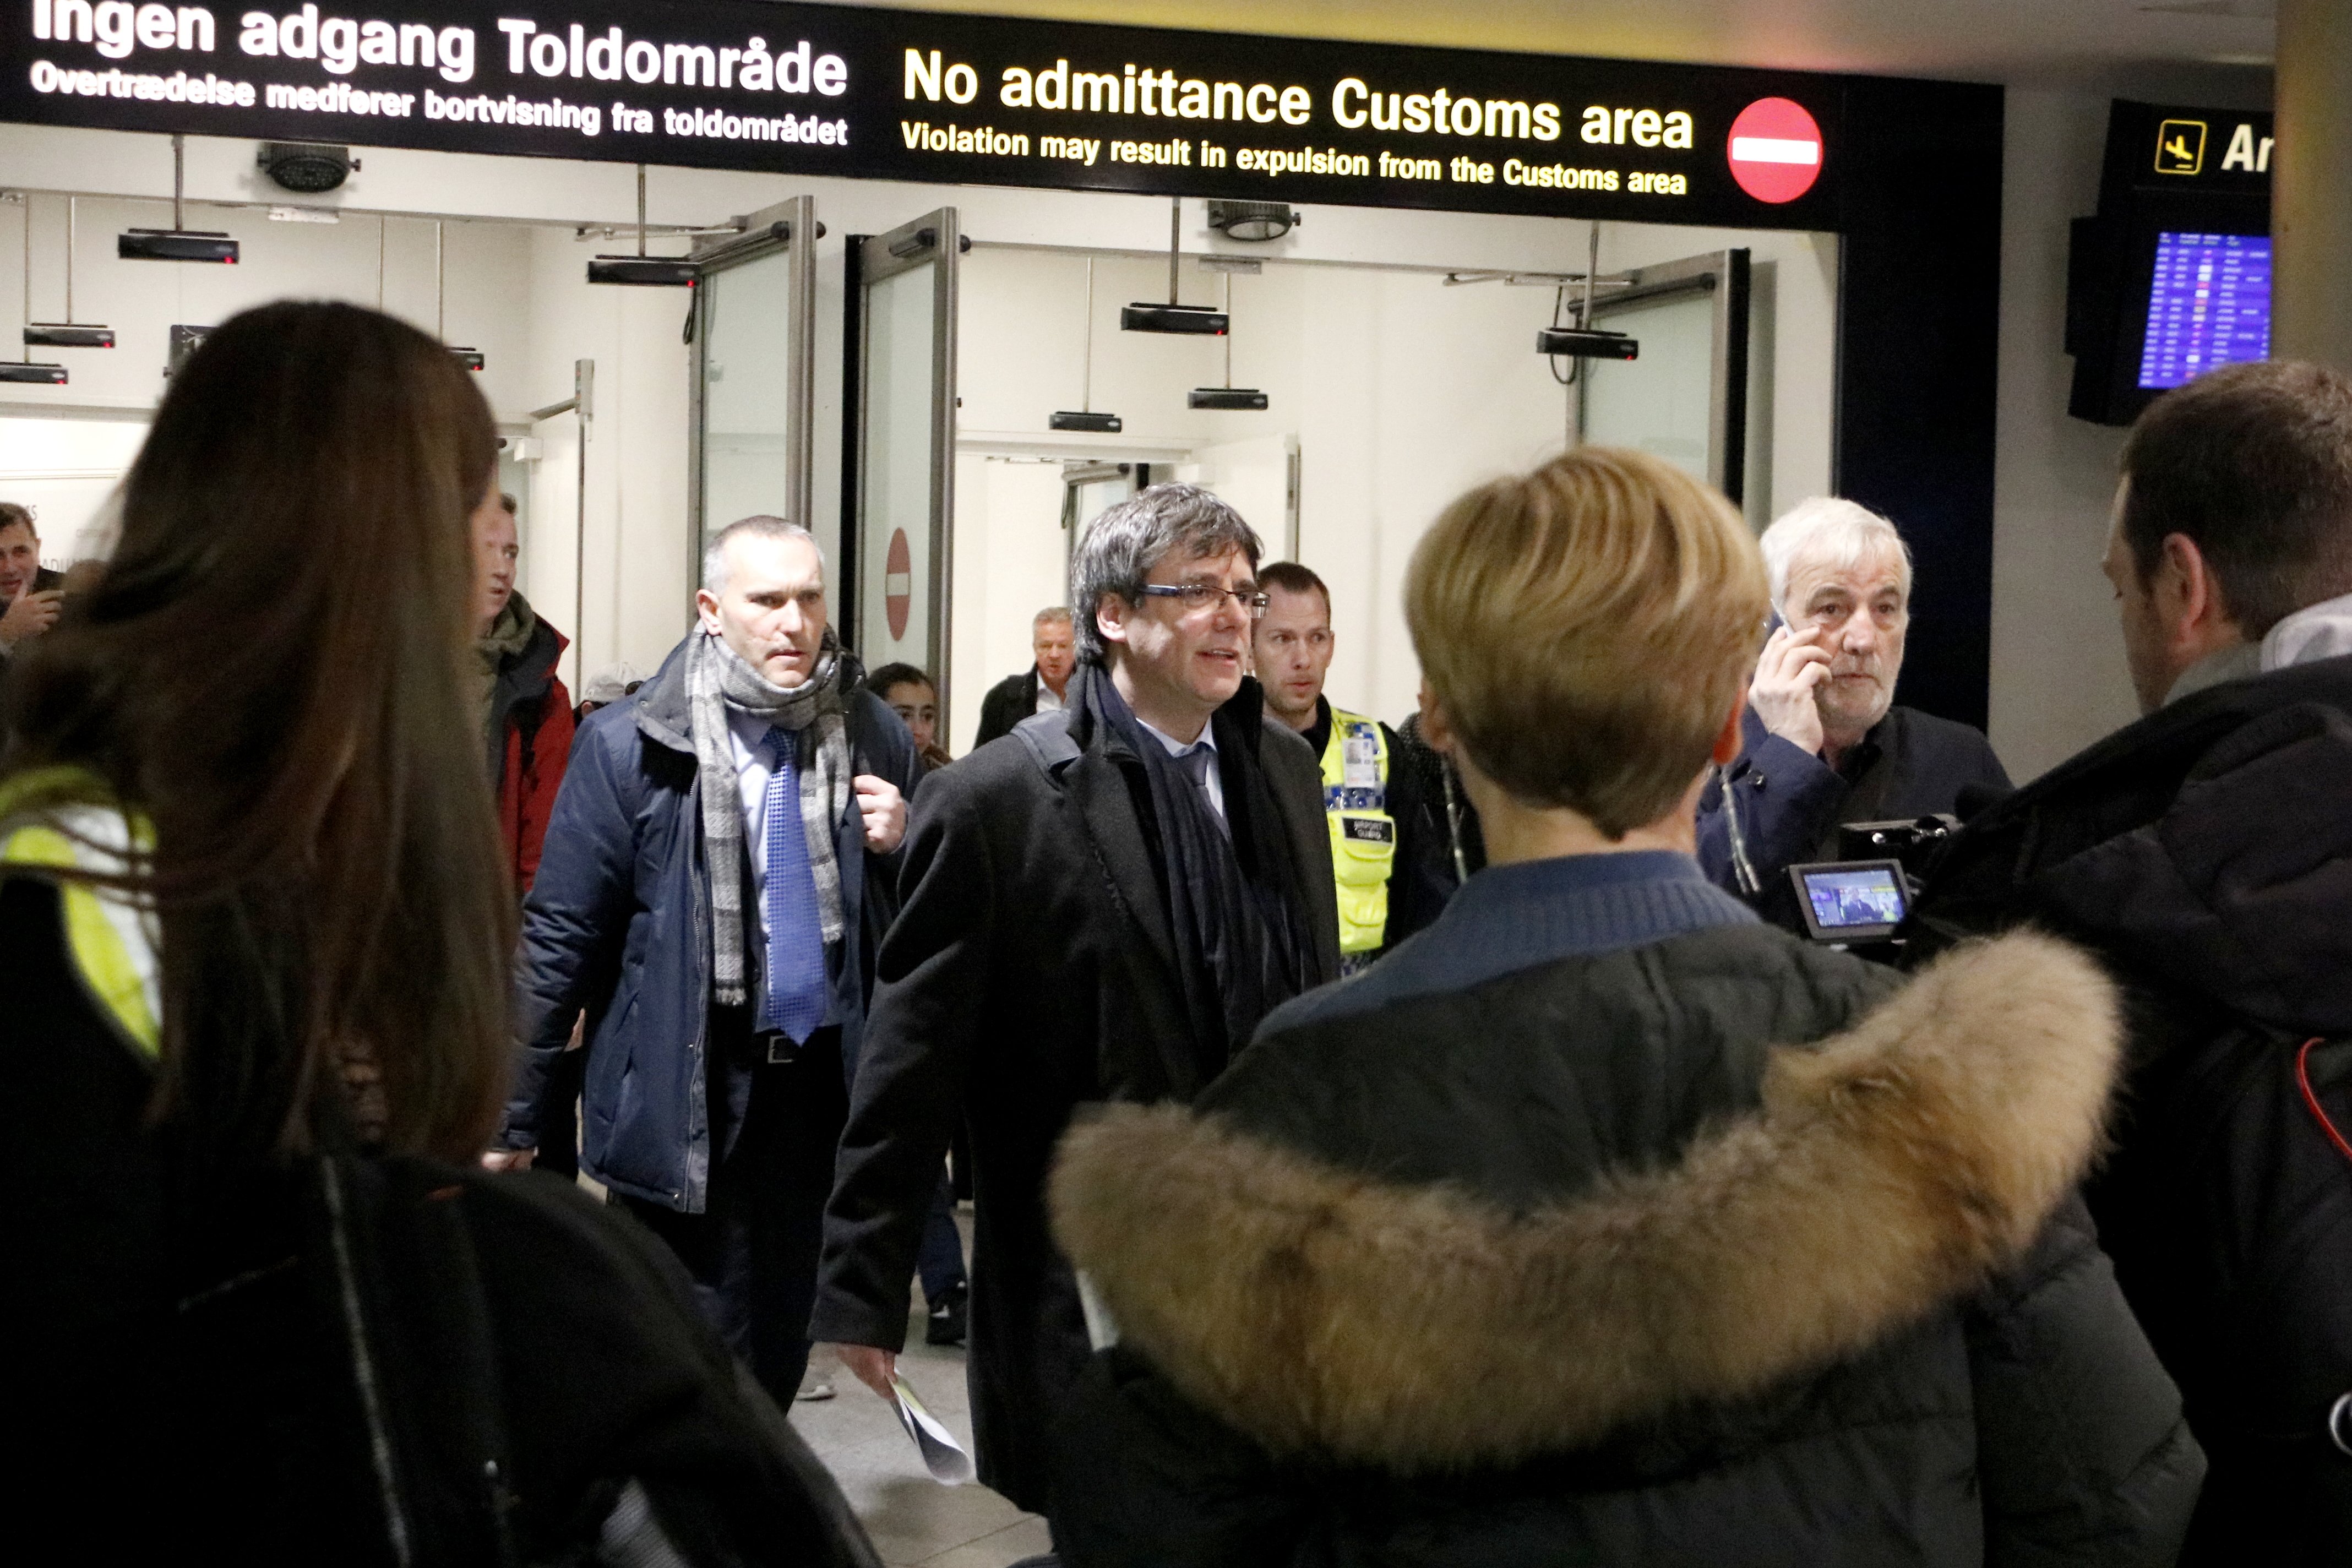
<point>1329,1313</point>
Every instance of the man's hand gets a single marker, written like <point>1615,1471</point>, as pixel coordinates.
<point>508,1159</point>
<point>1793,667</point>
<point>885,810</point>
<point>29,617</point>
<point>873,1367</point>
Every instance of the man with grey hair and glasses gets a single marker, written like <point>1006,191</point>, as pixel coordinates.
<point>718,868</point>
<point>1824,744</point>
<point>1100,908</point>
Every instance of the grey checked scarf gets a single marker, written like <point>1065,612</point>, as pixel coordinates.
<point>718,680</point>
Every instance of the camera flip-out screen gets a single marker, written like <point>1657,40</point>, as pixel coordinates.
<point>1850,901</point>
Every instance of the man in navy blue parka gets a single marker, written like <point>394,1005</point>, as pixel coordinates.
<point>717,872</point>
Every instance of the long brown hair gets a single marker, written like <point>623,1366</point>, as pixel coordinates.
<point>272,668</point>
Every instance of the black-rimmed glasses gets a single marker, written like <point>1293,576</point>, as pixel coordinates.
<point>1199,596</point>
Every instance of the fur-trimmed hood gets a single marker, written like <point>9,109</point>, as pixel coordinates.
<point>1419,1329</point>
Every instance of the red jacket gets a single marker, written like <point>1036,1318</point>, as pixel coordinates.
<point>530,729</point>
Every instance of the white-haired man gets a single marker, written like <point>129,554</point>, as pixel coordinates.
<point>1824,744</point>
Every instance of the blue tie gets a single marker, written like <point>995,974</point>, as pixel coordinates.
<point>1197,764</point>
<point>796,981</point>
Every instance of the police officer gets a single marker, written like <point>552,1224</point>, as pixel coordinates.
<point>1389,885</point>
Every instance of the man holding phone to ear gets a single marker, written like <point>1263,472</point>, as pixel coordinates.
<point>31,593</point>
<point>1824,743</point>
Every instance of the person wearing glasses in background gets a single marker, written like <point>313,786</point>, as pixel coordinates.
<point>1101,912</point>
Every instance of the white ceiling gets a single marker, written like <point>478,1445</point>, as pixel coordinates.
<point>2188,47</point>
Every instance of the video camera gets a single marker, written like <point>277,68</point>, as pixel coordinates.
<point>1859,900</point>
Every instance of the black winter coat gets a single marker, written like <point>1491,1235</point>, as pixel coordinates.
<point>1031,971</point>
<point>1790,802</point>
<point>275,1365</point>
<point>2205,854</point>
<point>1008,702</point>
<point>1573,1267</point>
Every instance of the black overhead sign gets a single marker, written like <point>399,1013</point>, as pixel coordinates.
<point>2168,149</point>
<point>902,95</point>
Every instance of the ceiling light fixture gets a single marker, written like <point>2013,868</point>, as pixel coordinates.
<point>642,270</point>
<point>24,370</point>
<point>67,333</point>
<point>1145,316</point>
<point>177,243</point>
<point>1581,339</point>
<point>1586,342</point>
<point>1084,417</point>
<point>307,167</point>
<point>1252,222</point>
<point>1228,396</point>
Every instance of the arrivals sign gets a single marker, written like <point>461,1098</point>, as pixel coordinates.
<point>2170,149</point>
<point>889,94</point>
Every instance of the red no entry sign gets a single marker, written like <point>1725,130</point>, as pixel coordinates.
<point>1775,150</point>
<point>897,582</point>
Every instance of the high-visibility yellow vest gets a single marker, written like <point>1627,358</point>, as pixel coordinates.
<point>53,820</point>
<point>1363,834</point>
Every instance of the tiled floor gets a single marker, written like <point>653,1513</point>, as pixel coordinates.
<point>913,1518</point>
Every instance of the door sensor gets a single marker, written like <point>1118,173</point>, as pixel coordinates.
<point>1586,342</point>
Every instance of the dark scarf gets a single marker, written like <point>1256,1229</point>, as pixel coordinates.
<point>1232,905</point>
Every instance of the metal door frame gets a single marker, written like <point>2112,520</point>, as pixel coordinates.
<point>934,240</point>
<point>790,227</point>
<point>1725,275</point>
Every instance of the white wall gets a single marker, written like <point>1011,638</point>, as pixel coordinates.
<point>1401,393</point>
<point>2058,675</point>
<point>637,594</point>
<point>67,447</point>
<point>1015,502</point>
<point>142,300</point>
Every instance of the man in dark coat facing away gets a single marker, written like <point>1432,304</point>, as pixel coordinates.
<point>1100,909</point>
<point>2205,854</point>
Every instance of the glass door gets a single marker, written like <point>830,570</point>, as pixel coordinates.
<point>1685,398</point>
<point>753,379</point>
<point>901,498</point>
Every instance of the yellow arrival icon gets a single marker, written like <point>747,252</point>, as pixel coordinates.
<point>2180,147</point>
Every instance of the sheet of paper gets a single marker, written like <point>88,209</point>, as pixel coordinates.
<point>942,1455</point>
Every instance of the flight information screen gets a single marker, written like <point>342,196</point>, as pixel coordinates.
<point>2209,305</point>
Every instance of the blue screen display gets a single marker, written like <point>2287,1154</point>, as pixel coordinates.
<point>2209,305</point>
<point>1866,897</point>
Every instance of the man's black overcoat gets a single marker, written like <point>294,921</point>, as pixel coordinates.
<point>1031,971</point>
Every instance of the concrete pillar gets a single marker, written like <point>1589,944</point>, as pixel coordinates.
<point>2311,185</point>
